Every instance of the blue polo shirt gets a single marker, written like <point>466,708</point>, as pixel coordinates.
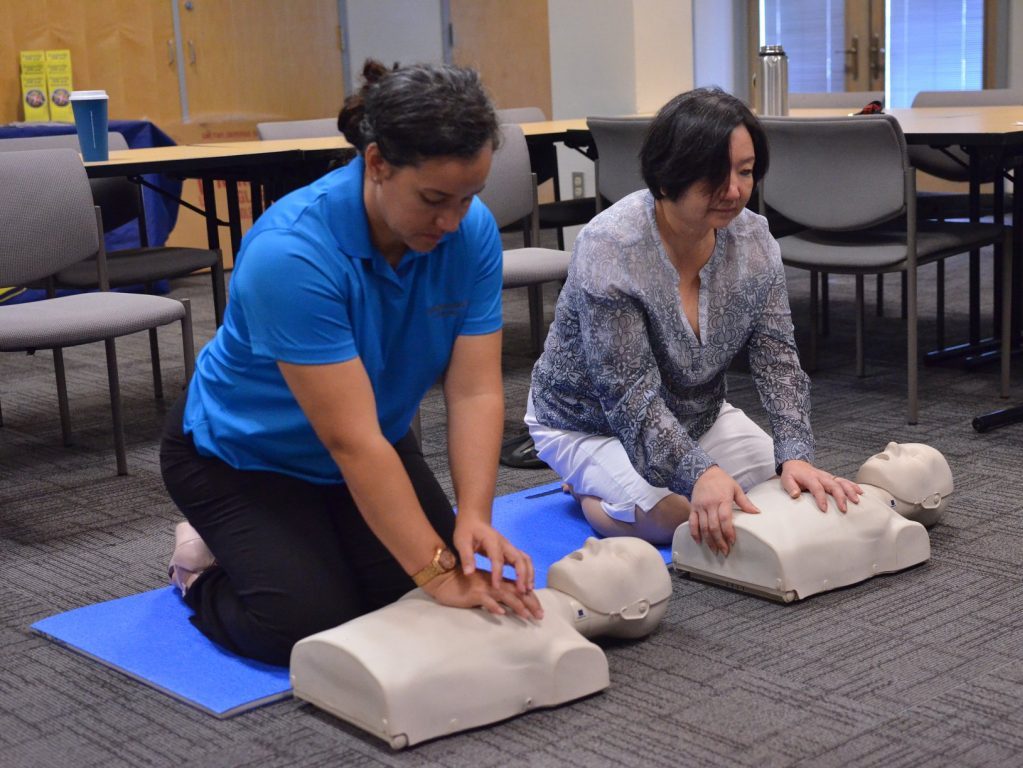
<point>309,288</point>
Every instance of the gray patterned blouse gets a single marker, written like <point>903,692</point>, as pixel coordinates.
<point>621,358</point>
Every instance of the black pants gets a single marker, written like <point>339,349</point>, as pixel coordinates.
<point>294,558</point>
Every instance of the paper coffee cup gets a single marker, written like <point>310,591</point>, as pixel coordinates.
<point>90,111</point>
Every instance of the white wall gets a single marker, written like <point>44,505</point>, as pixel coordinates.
<point>615,57</point>
<point>715,55</point>
<point>663,43</point>
<point>408,31</point>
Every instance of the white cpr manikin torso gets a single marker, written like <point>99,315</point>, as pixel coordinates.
<point>792,550</point>
<point>415,670</point>
<point>418,670</point>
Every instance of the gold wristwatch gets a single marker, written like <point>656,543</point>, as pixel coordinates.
<point>443,562</point>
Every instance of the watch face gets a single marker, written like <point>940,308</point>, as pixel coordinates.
<point>446,560</point>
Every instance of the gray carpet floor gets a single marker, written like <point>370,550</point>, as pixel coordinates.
<point>918,668</point>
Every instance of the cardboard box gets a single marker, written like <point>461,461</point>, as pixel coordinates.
<point>58,85</point>
<point>33,86</point>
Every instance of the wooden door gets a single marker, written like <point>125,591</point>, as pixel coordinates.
<point>509,44</point>
<point>125,47</point>
<point>260,60</point>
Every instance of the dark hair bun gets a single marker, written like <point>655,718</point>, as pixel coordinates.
<point>349,121</point>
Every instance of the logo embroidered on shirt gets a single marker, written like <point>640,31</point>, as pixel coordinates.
<point>447,310</point>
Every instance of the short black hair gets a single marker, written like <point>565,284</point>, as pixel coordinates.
<point>419,111</point>
<point>689,139</point>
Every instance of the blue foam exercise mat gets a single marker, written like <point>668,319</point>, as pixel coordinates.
<point>148,637</point>
<point>547,524</point>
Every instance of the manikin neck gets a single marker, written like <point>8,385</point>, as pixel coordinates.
<point>885,497</point>
<point>581,618</point>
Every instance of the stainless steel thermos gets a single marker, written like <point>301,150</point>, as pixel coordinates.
<point>773,73</point>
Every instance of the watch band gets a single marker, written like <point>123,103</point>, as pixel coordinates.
<point>443,562</point>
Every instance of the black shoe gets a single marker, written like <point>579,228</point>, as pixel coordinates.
<point>519,452</point>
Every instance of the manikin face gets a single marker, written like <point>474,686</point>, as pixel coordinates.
<point>700,208</point>
<point>619,575</point>
<point>414,206</point>
<point>915,474</point>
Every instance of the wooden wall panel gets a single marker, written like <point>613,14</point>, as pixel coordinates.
<point>117,45</point>
<point>262,59</point>
<point>509,43</point>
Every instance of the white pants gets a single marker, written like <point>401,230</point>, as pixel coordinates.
<point>597,465</point>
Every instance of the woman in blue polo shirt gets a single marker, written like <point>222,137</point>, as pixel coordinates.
<point>291,455</point>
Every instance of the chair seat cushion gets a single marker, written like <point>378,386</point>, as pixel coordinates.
<point>86,317</point>
<point>566,213</point>
<point>530,266</point>
<point>882,249</point>
<point>139,265</point>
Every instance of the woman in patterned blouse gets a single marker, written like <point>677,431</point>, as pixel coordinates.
<point>665,288</point>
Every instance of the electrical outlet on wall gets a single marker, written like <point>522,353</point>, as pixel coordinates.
<point>578,184</point>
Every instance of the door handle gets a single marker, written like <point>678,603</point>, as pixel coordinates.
<point>852,69</point>
<point>876,57</point>
<point>191,53</point>
<point>171,55</point>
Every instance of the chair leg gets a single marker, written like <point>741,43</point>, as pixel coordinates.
<point>219,291</point>
<point>65,412</point>
<point>536,317</point>
<point>940,303</point>
<point>115,406</point>
<point>905,297</point>
<point>1006,308</point>
<point>154,357</point>
<point>860,316</point>
<point>879,306</point>
<point>811,355</point>
<point>188,341</point>
<point>825,305</point>
<point>912,343</point>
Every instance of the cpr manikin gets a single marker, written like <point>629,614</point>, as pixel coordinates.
<point>415,670</point>
<point>792,550</point>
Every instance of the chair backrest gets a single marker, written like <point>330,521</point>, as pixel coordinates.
<point>836,173</point>
<point>298,129</point>
<point>989,97</point>
<point>117,197</point>
<point>510,193</point>
<point>521,115</point>
<point>618,141</point>
<point>852,100</point>
<point>47,218</point>
<point>115,141</point>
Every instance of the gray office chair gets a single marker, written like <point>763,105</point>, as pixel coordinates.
<point>48,222</point>
<point>543,159</point>
<point>618,141</point>
<point>120,201</point>
<point>510,194</point>
<point>298,129</point>
<point>849,182</point>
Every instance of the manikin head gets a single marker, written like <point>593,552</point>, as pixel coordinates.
<point>622,578</point>
<point>916,478</point>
